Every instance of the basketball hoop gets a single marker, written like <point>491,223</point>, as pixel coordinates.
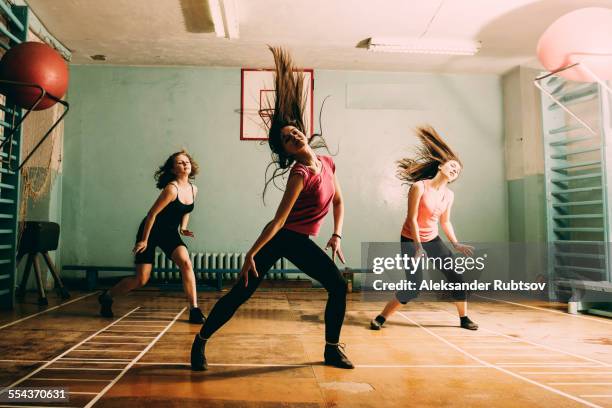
<point>266,116</point>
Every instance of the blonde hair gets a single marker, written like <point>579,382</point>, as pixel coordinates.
<point>432,152</point>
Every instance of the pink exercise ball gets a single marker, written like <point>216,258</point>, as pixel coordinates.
<point>582,36</point>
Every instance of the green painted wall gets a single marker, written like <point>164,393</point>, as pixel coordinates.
<point>527,222</point>
<point>527,209</point>
<point>524,173</point>
<point>124,121</point>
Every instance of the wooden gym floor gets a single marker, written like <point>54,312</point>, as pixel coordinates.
<point>270,354</point>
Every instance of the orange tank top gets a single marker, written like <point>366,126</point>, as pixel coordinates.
<point>431,206</point>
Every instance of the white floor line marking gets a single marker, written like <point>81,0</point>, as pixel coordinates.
<point>94,362</point>
<point>567,353</point>
<point>491,342</point>
<point>567,372</point>
<point>138,357</point>
<point>46,310</point>
<point>83,369</point>
<point>36,406</point>
<point>108,351</point>
<point>131,331</point>
<point>259,365</point>
<point>429,315</point>
<point>552,365</point>
<point>182,363</point>
<point>505,336</point>
<point>469,336</point>
<point>125,337</point>
<point>478,339</point>
<point>64,353</point>
<point>162,315</point>
<point>503,370</point>
<point>141,311</point>
<point>438,321</point>
<point>594,319</point>
<point>94,359</point>
<point>517,347</point>
<point>139,325</point>
<point>546,363</point>
<point>104,342</point>
<point>149,316</point>
<point>65,358</point>
<point>510,354</point>
<point>419,366</point>
<point>66,379</point>
<point>581,383</point>
<point>24,361</point>
<point>164,321</point>
<point>146,321</point>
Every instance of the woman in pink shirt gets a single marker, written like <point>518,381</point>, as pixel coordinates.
<point>429,203</point>
<point>312,188</point>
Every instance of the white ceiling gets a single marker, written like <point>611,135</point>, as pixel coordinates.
<point>322,34</point>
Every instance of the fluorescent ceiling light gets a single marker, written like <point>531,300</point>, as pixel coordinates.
<point>224,14</point>
<point>424,46</point>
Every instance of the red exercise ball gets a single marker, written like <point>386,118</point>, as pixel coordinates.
<point>34,63</point>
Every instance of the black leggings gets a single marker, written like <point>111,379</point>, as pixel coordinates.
<point>435,249</point>
<point>310,259</point>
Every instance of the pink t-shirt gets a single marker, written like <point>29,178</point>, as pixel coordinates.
<point>432,205</point>
<point>314,200</point>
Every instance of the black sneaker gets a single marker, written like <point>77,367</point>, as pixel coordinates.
<point>198,359</point>
<point>106,303</point>
<point>375,325</point>
<point>334,356</point>
<point>466,323</point>
<point>196,316</point>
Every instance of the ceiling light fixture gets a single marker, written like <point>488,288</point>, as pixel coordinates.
<point>424,46</point>
<point>224,14</point>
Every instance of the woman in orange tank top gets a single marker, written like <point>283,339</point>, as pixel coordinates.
<point>429,204</point>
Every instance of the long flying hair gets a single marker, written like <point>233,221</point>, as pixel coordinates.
<point>289,107</point>
<point>165,175</point>
<point>432,153</point>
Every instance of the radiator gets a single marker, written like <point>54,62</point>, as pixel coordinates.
<point>165,270</point>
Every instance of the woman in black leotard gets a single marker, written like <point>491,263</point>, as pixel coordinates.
<point>160,228</point>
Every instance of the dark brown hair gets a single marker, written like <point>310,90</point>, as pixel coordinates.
<point>432,153</point>
<point>165,175</point>
<point>288,110</point>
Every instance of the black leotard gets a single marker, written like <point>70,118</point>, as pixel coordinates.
<point>164,233</point>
